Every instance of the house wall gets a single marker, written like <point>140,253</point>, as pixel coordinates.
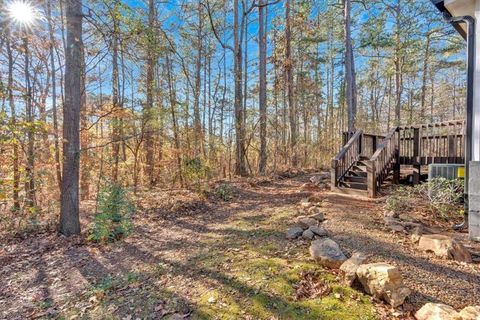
<point>472,8</point>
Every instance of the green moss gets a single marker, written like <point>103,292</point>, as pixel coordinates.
<point>264,287</point>
<point>245,271</point>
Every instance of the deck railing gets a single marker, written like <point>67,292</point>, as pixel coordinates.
<point>346,158</point>
<point>432,143</point>
<point>382,162</point>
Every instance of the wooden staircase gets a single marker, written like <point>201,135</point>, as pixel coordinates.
<point>356,176</point>
<point>367,160</point>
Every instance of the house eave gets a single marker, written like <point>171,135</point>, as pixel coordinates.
<point>440,4</point>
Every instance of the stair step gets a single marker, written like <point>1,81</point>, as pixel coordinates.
<point>354,185</point>
<point>351,178</point>
<point>363,158</point>
<point>357,173</point>
<point>354,192</point>
<point>361,163</point>
<point>361,168</point>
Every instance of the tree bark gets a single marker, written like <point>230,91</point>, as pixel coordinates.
<point>115,82</point>
<point>424,78</point>
<point>262,101</point>
<point>240,166</point>
<point>148,116</point>
<point>11,102</point>
<point>30,167</point>
<point>54,95</point>
<point>197,122</point>
<point>289,82</point>
<point>398,69</point>
<point>173,103</point>
<point>69,212</point>
<point>350,69</point>
<point>84,138</point>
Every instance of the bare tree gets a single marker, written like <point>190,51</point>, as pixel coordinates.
<point>262,48</point>
<point>69,212</point>
<point>350,81</point>
<point>149,143</point>
<point>289,84</point>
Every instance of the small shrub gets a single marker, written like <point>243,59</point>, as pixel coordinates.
<point>113,220</point>
<point>224,191</point>
<point>444,195</point>
<point>195,171</point>
<point>399,201</point>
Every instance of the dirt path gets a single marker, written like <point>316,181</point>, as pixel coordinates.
<point>222,260</point>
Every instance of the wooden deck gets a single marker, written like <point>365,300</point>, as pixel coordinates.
<point>366,160</point>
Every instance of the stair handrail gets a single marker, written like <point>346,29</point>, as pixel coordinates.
<point>382,161</point>
<point>346,158</point>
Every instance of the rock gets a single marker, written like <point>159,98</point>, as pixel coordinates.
<point>398,225</point>
<point>305,204</point>
<point>294,233</point>
<point>384,282</point>
<point>416,234</point>
<point>319,231</point>
<point>349,267</point>
<point>306,222</point>
<point>394,224</point>
<point>316,213</point>
<point>315,180</point>
<point>444,247</point>
<point>308,234</point>
<point>407,218</point>
<point>327,252</point>
<point>390,214</point>
<point>315,199</point>
<point>437,311</point>
<point>470,313</point>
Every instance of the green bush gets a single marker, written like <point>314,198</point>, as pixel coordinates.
<point>195,171</point>
<point>224,191</point>
<point>399,202</point>
<point>113,220</point>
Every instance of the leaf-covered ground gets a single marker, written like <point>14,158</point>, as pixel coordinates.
<point>217,260</point>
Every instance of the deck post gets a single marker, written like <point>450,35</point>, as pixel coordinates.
<point>371,179</point>
<point>416,155</point>
<point>451,148</point>
<point>396,166</point>
<point>416,143</point>
<point>334,173</point>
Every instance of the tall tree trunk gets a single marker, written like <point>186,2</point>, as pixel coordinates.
<point>424,78</point>
<point>30,168</point>
<point>148,116</point>
<point>69,212</point>
<point>197,122</point>
<point>289,82</point>
<point>240,165</point>
<point>84,138</point>
<point>262,101</point>
<point>54,94</point>
<point>115,103</point>
<point>11,102</point>
<point>398,76</point>
<point>350,69</point>
<point>173,103</point>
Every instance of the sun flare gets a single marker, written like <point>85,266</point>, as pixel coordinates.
<point>21,12</point>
